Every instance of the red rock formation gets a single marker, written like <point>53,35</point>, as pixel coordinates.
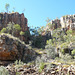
<point>12,49</point>
<point>17,18</point>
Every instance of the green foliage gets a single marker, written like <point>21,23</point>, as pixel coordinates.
<point>3,30</point>
<point>64,45</point>
<point>66,57</point>
<point>40,30</point>
<point>61,40</point>
<point>18,62</point>
<point>27,33</point>
<point>50,50</point>
<point>49,42</point>
<point>22,33</point>
<point>41,66</point>
<point>7,6</point>
<point>17,27</point>
<point>18,73</point>
<point>37,41</point>
<point>63,51</point>
<point>3,71</point>
<point>69,32</point>
<point>11,28</point>
<point>73,52</point>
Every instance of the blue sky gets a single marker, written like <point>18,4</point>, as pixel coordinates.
<point>37,11</point>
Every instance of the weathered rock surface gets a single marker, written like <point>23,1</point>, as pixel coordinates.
<point>17,18</point>
<point>12,48</point>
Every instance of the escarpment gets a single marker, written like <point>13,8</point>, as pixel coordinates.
<point>17,18</point>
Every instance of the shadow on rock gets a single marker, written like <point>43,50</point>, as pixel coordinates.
<point>11,49</point>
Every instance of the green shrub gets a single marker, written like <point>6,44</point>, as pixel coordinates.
<point>73,52</point>
<point>50,50</point>
<point>63,51</point>
<point>37,41</point>
<point>41,66</point>
<point>66,57</point>
<point>3,71</point>
<point>3,30</point>
<point>22,33</point>
<point>11,28</point>
<point>17,27</point>
<point>18,62</point>
<point>18,73</point>
<point>69,32</point>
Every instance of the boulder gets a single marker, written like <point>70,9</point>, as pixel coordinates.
<point>11,48</point>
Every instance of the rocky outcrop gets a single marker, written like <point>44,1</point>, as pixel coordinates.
<point>17,18</point>
<point>68,21</point>
<point>12,48</point>
<point>56,23</point>
<point>65,22</point>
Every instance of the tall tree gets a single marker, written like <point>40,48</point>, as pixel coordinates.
<point>7,6</point>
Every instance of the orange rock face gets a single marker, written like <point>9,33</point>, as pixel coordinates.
<point>17,18</point>
<point>4,55</point>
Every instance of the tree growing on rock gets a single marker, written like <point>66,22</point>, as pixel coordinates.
<point>7,7</point>
<point>11,28</point>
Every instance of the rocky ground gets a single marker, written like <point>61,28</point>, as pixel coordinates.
<point>31,69</point>
<point>38,62</point>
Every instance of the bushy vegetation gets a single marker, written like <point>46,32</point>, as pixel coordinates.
<point>11,28</point>
<point>18,62</point>
<point>3,71</point>
<point>22,33</point>
<point>3,30</point>
<point>50,49</point>
<point>36,37</point>
<point>17,27</point>
<point>41,66</point>
<point>59,44</point>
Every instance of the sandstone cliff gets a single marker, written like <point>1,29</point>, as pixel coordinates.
<point>17,18</point>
